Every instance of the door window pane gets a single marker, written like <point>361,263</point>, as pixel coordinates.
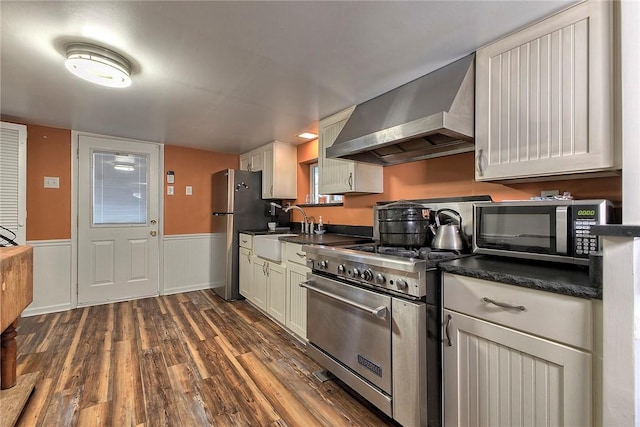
<point>119,188</point>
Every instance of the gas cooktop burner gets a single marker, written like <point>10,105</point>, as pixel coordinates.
<point>425,253</point>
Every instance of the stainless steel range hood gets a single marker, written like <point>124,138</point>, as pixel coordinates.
<point>431,116</point>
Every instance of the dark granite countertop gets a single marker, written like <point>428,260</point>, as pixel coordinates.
<point>263,232</point>
<point>616,230</point>
<point>561,279</point>
<point>329,239</point>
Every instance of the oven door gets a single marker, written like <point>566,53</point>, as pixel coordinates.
<point>353,326</point>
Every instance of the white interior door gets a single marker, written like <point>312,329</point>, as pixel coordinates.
<point>118,206</point>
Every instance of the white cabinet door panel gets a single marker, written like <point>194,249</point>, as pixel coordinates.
<point>296,319</point>
<point>245,272</point>
<point>544,98</point>
<point>339,176</point>
<point>496,376</point>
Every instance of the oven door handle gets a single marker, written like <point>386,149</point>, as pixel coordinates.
<point>379,312</point>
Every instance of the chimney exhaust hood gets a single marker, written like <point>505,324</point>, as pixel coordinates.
<point>431,116</point>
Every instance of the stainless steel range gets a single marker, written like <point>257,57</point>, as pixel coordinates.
<point>373,316</point>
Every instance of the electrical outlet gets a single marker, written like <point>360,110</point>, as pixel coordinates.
<point>51,182</point>
<point>170,190</point>
<point>549,193</point>
<point>189,190</point>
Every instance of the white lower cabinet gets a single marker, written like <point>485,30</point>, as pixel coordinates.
<point>296,316</point>
<point>259,285</point>
<point>496,375</point>
<point>245,272</point>
<point>296,320</point>
<point>268,287</point>
<point>276,293</point>
<point>274,287</point>
<point>245,269</point>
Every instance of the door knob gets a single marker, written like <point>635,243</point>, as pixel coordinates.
<point>153,222</point>
<point>153,233</point>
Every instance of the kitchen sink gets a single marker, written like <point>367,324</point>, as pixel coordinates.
<point>268,246</point>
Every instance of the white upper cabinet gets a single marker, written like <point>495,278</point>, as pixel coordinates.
<point>278,163</point>
<point>253,160</point>
<point>338,176</point>
<point>544,98</point>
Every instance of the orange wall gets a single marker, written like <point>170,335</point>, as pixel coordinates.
<point>440,177</point>
<point>192,214</point>
<point>48,209</point>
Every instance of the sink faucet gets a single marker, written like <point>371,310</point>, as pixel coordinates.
<point>304,215</point>
<point>288,208</point>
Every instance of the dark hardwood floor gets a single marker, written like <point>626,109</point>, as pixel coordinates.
<point>180,360</point>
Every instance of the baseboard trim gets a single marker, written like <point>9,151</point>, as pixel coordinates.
<point>29,312</point>
<point>190,288</point>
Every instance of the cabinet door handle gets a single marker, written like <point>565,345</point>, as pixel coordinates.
<point>504,304</point>
<point>447,331</point>
<point>271,190</point>
<point>264,266</point>
<point>350,181</point>
<point>479,162</point>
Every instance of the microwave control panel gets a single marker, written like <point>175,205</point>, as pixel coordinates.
<point>584,218</point>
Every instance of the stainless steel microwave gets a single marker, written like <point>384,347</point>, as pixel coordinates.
<point>546,230</point>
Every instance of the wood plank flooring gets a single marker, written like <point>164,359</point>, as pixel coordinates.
<point>180,360</point>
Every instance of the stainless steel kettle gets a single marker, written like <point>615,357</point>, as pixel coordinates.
<point>448,236</point>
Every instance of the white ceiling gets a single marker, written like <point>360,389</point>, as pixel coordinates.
<point>231,76</point>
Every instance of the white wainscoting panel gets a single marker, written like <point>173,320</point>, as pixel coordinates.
<point>51,277</point>
<point>193,261</point>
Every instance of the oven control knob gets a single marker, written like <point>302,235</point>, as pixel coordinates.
<point>341,268</point>
<point>401,284</point>
<point>367,275</point>
<point>324,264</point>
<point>356,272</point>
<point>380,279</point>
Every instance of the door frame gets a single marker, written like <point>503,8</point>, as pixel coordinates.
<point>75,141</point>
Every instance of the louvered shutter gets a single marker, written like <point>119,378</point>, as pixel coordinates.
<point>13,166</point>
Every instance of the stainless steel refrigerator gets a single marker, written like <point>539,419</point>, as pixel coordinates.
<point>237,206</point>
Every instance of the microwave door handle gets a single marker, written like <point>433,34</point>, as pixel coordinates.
<point>562,227</point>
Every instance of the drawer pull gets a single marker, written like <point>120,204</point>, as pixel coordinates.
<point>447,332</point>
<point>504,304</point>
<point>300,254</point>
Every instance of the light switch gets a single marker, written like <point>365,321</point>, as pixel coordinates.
<point>189,190</point>
<point>51,182</point>
<point>170,190</point>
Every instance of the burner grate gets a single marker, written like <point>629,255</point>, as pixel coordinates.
<point>432,256</point>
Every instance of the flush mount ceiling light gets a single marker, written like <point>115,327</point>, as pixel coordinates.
<point>308,135</point>
<point>98,65</point>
